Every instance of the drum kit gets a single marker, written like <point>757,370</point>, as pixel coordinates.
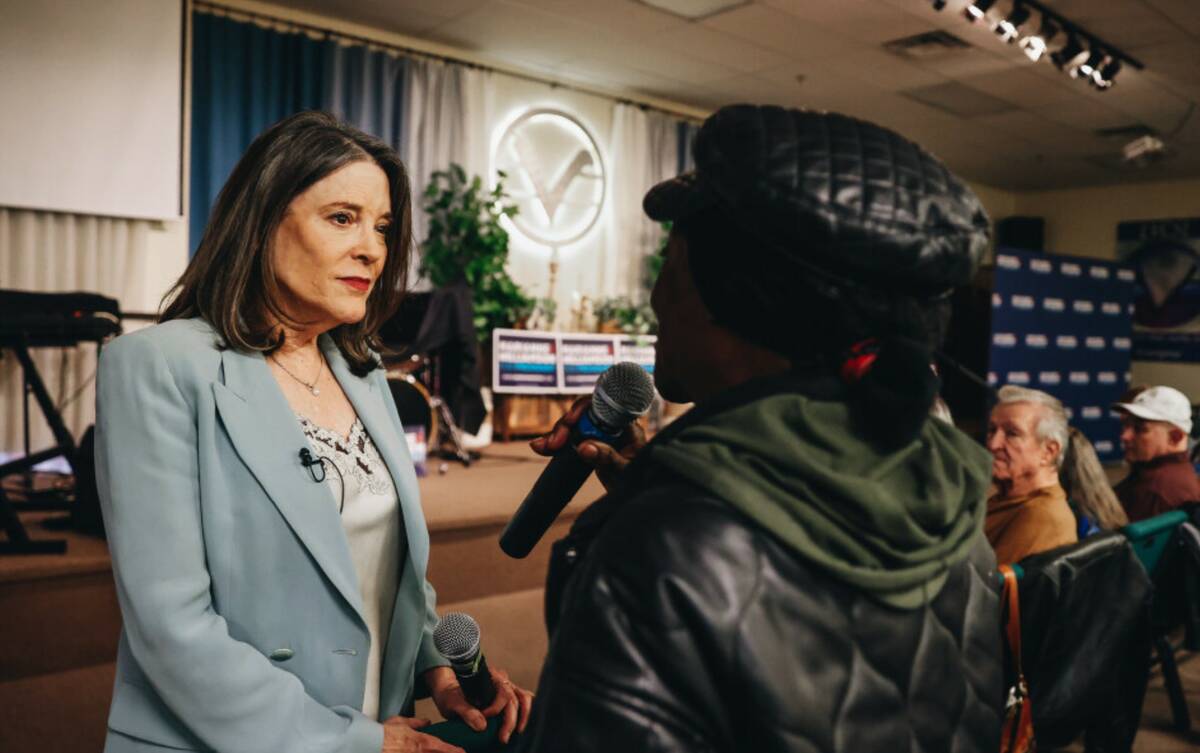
<point>411,380</point>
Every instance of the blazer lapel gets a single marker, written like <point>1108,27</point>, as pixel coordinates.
<point>374,412</point>
<point>268,438</point>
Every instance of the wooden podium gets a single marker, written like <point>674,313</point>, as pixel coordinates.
<point>528,415</point>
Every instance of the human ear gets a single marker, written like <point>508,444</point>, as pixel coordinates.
<point>1053,448</point>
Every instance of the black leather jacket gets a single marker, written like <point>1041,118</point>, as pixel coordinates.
<point>678,624</point>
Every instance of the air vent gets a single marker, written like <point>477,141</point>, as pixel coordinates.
<point>932,45</point>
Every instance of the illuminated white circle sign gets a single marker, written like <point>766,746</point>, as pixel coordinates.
<point>555,176</point>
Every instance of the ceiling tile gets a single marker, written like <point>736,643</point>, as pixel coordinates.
<point>513,32</point>
<point>1022,88</point>
<point>957,99</point>
<point>779,31</point>
<point>864,20</point>
<point>656,60</point>
<point>701,42</point>
<point>623,17</point>
<point>882,69</point>
<point>1145,101</point>
<point>747,88</point>
<point>1185,13</point>
<point>1045,136</point>
<point>1084,114</point>
<point>830,90</point>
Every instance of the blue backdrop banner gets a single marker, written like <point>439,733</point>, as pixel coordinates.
<point>1063,325</point>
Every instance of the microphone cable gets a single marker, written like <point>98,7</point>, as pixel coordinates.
<point>308,461</point>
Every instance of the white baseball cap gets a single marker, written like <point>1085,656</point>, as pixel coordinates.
<point>1161,404</point>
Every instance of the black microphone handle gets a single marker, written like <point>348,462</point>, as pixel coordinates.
<point>476,685</point>
<point>558,484</point>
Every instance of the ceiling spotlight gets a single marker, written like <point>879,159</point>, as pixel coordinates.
<point>1009,28</point>
<point>978,9</point>
<point>1034,45</point>
<point>1067,55</point>
<point>1088,66</point>
<point>1103,77</point>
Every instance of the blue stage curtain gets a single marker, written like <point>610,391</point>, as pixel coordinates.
<point>367,91</point>
<point>246,77</point>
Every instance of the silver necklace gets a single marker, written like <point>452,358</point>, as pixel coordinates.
<point>311,386</point>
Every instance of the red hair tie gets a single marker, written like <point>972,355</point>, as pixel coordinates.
<point>859,360</point>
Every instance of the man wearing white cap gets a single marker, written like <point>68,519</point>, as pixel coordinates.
<point>1154,432</point>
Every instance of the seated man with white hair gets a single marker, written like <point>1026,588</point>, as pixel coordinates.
<point>1154,433</point>
<point>1027,436</point>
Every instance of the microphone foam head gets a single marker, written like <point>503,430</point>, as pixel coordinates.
<point>623,392</point>
<point>456,636</point>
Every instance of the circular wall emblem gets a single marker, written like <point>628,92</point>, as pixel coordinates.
<point>555,176</point>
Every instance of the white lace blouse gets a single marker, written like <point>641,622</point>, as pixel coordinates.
<point>371,519</point>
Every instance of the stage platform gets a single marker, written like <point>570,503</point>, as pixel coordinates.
<point>59,619</point>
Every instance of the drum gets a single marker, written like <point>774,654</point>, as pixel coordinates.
<point>413,405</point>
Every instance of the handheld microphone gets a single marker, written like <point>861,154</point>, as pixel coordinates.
<point>623,392</point>
<point>457,638</point>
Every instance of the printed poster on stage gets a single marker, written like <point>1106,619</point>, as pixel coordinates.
<point>548,363</point>
<point>1165,256</point>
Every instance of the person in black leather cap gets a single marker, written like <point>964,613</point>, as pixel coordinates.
<point>798,564</point>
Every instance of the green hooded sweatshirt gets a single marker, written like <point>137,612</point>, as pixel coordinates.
<point>890,524</point>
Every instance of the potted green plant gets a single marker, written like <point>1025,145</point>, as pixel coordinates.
<point>467,242</point>
<point>623,314</point>
<point>633,316</point>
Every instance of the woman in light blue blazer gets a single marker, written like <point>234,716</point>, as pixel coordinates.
<point>267,540</point>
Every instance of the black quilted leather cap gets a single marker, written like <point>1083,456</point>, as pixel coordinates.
<point>848,197</point>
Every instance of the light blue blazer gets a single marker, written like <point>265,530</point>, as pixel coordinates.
<point>243,621</point>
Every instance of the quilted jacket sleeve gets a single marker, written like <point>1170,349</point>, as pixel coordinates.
<point>640,659</point>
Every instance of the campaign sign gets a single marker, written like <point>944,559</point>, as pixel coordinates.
<point>584,358</point>
<point>639,350</point>
<point>524,361</point>
<point>550,363</point>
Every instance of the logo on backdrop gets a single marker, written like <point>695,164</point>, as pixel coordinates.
<point>555,176</point>
<point>1165,260</point>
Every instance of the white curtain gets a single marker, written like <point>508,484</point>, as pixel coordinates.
<point>52,252</point>
<point>643,151</point>
<point>446,115</point>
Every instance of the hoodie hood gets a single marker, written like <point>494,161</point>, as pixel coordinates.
<point>889,523</point>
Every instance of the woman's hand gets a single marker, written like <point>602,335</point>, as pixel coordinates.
<point>511,701</point>
<point>608,461</point>
<point>400,735</point>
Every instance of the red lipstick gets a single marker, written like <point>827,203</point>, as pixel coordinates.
<point>361,284</point>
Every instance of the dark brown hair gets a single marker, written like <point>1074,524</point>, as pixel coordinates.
<point>231,281</point>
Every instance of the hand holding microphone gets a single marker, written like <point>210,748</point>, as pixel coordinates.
<point>476,691</point>
<point>608,460</point>
<point>623,393</point>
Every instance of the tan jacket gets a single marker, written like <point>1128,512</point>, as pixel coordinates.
<point>1020,526</point>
